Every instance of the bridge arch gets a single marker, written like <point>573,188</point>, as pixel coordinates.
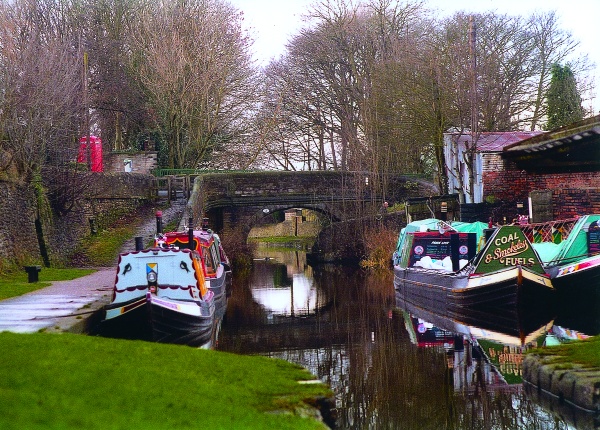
<point>237,200</point>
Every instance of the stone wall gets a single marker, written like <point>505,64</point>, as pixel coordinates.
<point>18,240</point>
<point>106,197</point>
<point>287,228</point>
<point>141,162</point>
<point>572,193</point>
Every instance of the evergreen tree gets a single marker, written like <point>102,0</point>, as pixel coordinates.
<point>563,98</point>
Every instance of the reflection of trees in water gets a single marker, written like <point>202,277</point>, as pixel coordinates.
<point>360,347</point>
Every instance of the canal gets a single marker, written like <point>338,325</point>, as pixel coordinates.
<point>391,364</point>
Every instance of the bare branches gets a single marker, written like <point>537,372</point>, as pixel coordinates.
<point>193,62</point>
<point>40,79</point>
<point>365,85</point>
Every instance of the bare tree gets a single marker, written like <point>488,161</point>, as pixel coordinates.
<point>119,105</point>
<point>553,45</point>
<point>40,75</point>
<point>194,65</point>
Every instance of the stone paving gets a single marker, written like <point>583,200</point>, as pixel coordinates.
<point>176,212</point>
<point>63,306</point>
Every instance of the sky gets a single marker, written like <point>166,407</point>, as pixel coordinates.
<point>272,22</point>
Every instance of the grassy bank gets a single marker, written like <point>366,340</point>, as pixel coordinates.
<point>289,242</point>
<point>15,283</point>
<point>72,382</point>
<point>584,352</point>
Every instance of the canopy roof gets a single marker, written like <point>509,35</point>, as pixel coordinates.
<point>572,148</point>
<point>433,224</point>
<point>572,248</point>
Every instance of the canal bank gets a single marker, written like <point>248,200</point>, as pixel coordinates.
<point>556,380</point>
<point>77,306</point>
<point>73,306</point>
<point>71,382</point>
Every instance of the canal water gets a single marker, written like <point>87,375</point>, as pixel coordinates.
<point>390,364</point>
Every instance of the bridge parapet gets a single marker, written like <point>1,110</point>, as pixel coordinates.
<point>230,199</point>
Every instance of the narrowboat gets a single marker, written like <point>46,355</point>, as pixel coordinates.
<point>570,252</point>
<point>465,266</point>
<point>214,262</point>
<point>160,294</point>
<point>174,291</point>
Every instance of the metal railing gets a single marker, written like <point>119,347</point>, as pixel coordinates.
<point>551,231</point>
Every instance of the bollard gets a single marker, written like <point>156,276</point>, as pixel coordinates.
<point>191,244</point>
<point>159,225</point>
<point>32,273</point>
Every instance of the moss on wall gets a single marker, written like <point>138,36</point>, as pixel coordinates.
<point>107,197</point>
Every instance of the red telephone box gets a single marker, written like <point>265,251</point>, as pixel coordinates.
<point>95,152</point>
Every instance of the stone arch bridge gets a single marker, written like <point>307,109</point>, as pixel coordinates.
<point>233,199</point>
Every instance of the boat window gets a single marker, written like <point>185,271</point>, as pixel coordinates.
<point>215,253</point>
<point>209,261</point>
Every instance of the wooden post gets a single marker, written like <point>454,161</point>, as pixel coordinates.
<point>169,184</point>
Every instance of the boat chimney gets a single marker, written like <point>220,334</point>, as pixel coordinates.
<point>471,245</point>
<point>139,243</point>
<point>191,233</point>
<point>159,226</point>
<point>205,224</point>
<point>454,251</point>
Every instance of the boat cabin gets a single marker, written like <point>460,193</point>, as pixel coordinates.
<point>448,251</point>
<point>141,271</point>
<point>431,240</point>
<point>203,241</point>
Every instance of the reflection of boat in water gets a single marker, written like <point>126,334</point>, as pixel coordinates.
<point>481,351</point>
<point>521,330</point>
<point>439,263</point>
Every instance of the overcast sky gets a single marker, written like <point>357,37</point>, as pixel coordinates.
<point>272,22</point>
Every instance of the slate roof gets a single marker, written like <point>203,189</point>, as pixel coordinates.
<point>496,141</point>
<point>587,129</point>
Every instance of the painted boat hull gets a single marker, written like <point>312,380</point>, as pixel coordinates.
<point>578,290</point>
<point>189,322</point>
<point>125,309</point>
<point>457,292</point>
<point>581,276</point>
<point>220,288</point>
<point>126,320</point>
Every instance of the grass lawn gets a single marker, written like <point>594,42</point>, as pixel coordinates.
<point>67,381</point>
<point>15,283</point>
<point>585,352</point>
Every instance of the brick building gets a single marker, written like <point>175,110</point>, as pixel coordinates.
<point>551,175</point>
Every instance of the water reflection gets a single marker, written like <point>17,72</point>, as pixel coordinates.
<point>390,364</point>
<point>282,283</point>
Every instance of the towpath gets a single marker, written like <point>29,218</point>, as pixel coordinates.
<point>76,305</point>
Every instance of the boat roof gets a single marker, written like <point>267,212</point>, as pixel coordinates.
<point>432,224</point>
<point>573,248</point>
<point>496,141</point>
<point>205,236</point>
